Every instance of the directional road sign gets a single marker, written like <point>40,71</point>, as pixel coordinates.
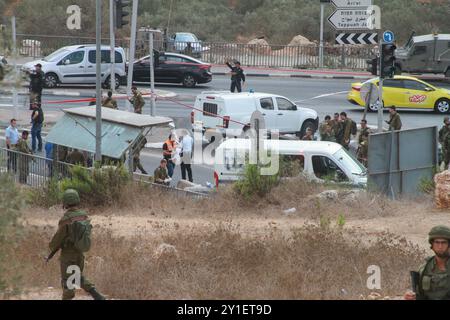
<point>351,19</point>
<point>388,37</point>
<point>351,3</point>
<point>357,38</point>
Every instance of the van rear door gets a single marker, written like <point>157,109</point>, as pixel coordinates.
<point>211,109</point>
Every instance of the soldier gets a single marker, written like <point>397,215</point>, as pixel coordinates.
<point>434,274</point>
<point>137,156</point>
<point>23,158</point>
<point>137,101</point>
<point>76,158</point>
<point>329,134</point>
<point>364,129</point>
<point>395,123</point>
<point>336,126</point>
<point>347,130</point>
<point>161,176</point>
<point>73,238</point>
<point>442,133</point>
<point>109,102</point>
<point>363,149</point>
<point>309,135</point>
<point>446,147</point>
<point>323,126</point>
<point>37,80</point>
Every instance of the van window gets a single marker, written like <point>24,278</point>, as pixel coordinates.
<point>105,56</point>
<point>75,58</point>
<point>267,104</point>
<point>284,104</point>
<point>327,169</point>
<point>292,165</point>
<point>209,109</point>
<point>420,50</point>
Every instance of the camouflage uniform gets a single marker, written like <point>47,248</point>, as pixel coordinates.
<point>395,123</point>
<point>347,132</point>
<point>322,130</point>
<point>160,174</point>
<point>434,284</point>
<point>137,157</point>
<point>442,136</point>
<point>446,149</point>
<point>70,256</point>
<point>138,102</point>
<point>110,103</point>
<point>363,152</point>
<point>361,134</point>
<point>23,160</point>
<point>337,128</point>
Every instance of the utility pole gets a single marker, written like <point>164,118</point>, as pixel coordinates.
<point>113,45</point>
<point>14,37</point>
<point>152,75</point>
<point>132,50</point>
<point>98,114</point>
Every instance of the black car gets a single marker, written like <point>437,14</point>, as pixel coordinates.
<point>173,68</point>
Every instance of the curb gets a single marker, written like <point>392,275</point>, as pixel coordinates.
<point>308,76</point>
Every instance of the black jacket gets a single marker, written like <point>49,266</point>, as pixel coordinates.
<point>238,73</point>
<point>36,81</point>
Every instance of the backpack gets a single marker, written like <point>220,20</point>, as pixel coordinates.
<point>354,129</point>
<point>80,234</point>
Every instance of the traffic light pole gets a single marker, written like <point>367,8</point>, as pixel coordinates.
<point>152,76</point>
<point>380,89</point>
<point>98,114</point>
<point>132,50</point>
<point>113,45</point>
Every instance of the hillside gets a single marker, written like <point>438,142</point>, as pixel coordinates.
<point>231,20</point>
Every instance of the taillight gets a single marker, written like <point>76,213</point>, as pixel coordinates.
<point>192,117</point>
<point>356,88</point>
<point>205,66</point>
<point>226,122</point>
<point>216,179</point>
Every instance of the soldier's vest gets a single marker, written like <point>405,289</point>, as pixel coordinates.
<point>434,285</point>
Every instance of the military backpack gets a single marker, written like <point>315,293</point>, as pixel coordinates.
<point>80,233</point>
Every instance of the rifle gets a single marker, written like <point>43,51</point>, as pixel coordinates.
<point>50,256</point>
<point>415,278</point>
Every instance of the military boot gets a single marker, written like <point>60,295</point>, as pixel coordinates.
<point>96,295</point>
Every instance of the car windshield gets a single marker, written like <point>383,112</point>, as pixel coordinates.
<point>186,38</point>
<point>56,54</point>
<point>347,160</point>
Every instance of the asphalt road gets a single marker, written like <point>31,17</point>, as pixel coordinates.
<point>326,96</point>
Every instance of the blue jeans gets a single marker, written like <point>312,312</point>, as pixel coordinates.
<point>36,133</point>
<point>170,168</point>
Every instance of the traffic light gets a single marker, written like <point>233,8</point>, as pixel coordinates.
<point>120,13</point>
<point>387,66</point>
<point>372,66</point>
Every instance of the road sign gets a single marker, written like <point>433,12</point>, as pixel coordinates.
<point>357,38</point>
<point>351,3</point>
<point>352,19</point>
<point>388,37</point>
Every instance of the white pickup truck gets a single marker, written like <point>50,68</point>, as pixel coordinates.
<point>223,110</point>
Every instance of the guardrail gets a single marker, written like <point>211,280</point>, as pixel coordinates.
<point>36,172</point>
<point>255,55</point>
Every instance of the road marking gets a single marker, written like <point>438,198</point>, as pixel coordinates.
<point>323,96</point>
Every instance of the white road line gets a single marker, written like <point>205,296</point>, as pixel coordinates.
<point>323,96</point>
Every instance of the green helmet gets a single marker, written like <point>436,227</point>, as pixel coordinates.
<point>71,197</point>
<point>439,232</point>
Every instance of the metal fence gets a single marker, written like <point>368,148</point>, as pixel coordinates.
<point>37,172</point>
<point>255,55</point>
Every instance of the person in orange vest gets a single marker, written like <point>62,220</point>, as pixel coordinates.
<point>169,150</point>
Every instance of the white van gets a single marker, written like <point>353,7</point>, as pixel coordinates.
<point>77,65</point>
<point>221,110</point>
<point>319,161</point>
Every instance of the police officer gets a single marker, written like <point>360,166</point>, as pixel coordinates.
<point>434,274</point>
<point>237,76</point>
<point>70,255</point>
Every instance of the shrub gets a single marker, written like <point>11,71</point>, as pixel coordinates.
<point>254,184</point>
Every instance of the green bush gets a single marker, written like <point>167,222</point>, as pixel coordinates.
<point>254,184</point>
<point>10,230</point>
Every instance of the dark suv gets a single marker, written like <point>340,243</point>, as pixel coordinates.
<point>173,68</point>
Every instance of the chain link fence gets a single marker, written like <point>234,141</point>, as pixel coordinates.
<point>252,55</point>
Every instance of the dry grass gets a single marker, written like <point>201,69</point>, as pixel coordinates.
<point>222,262</point>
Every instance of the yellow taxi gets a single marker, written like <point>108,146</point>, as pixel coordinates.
<point>404,92</point>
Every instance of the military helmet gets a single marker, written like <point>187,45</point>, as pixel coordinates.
<point>439,232</point>
<point>71,197</point>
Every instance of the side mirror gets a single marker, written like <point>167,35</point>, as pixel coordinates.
<point>428,89</point>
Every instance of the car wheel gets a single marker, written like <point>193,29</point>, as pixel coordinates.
<point>107,83</point>
<point>442,106</point>
<point>189,81</point>
<point>51,80</point>
<point>307,124</point>
<point>374,107</point>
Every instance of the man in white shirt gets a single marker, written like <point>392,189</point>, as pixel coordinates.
<point>187,144</point>
<point>12,138</point>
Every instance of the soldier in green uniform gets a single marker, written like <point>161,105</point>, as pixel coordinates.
<point>329,134</point>
<point>336,126</point>
<point>395,123</point>
<point>76,158</point>
<point>137,101</point>
<point>446,147</point>
<point>363,149</point>
<point>70,253</point>
<point>137,156</point>
<point>23,158</point>
<point>323,126</point>
<point>434,274</point>
<point>347,130</point>
<point>364,129</point>
<point>161,175</point>
<point>442,134</point>
<point>109,102</point>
